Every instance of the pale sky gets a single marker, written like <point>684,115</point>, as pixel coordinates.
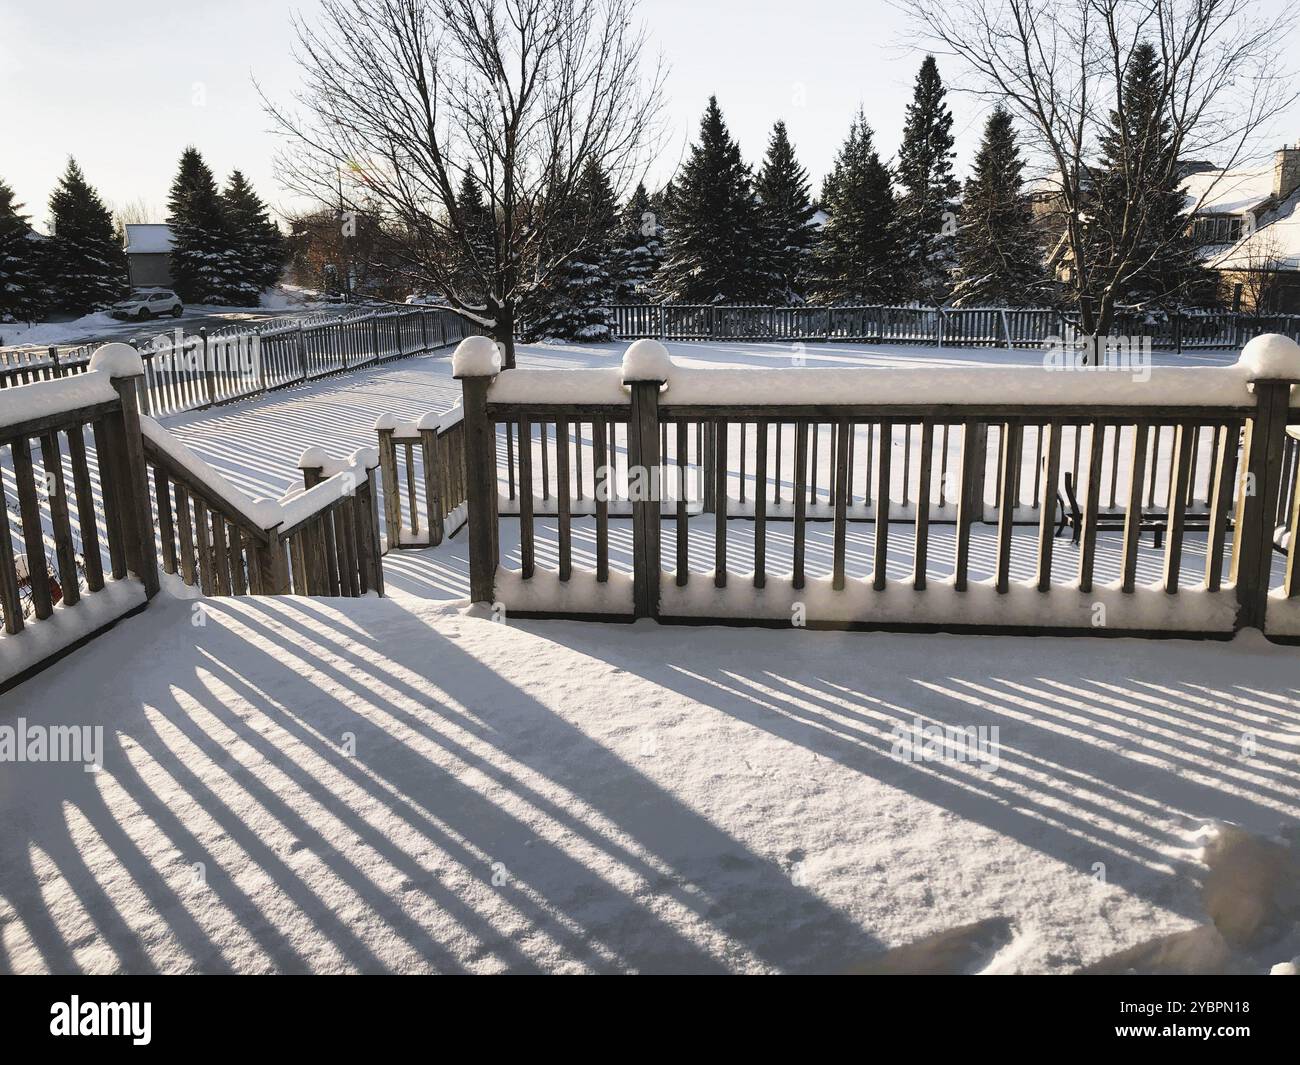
<point>125,87</point>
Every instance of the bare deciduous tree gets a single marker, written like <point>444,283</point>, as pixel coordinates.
<point>1060,66</point>
<point>405,99</point>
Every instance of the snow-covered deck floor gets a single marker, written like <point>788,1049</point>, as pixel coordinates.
<point>567,796</point>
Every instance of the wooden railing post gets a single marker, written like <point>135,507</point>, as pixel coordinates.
<point>1275,364</point>
<point>366,510</point>
<point>130,476</point>
<point>646,368</point>
<point>476,362</point>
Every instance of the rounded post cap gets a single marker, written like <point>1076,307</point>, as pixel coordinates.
<point>117,360</point>
<point>476,356</point>
<point>1271,357</point>
<point>647,360</point>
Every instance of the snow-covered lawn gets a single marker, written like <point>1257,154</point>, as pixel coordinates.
<point>401,785</point>
<point>407,784</point>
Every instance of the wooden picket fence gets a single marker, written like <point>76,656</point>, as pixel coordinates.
<point>955,327</point>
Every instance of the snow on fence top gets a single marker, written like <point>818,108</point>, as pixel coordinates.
<point>1268,356</point>
<point>43,399</point>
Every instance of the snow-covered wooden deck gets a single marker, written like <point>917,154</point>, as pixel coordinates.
<point>407,784</point>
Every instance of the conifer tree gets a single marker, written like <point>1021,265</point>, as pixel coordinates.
<point>999,260</point>
<point>86,262</point>
<point>783,190</point>
<point>1160,266</point>
<point>858,259</point>
<point>258,245</point>
<point>22,290</point>
<point>715,231</point>
<point>478,226</point>
<point>640,252</point>
<point>203,259</point>
<point>927,188</point>
<point>575,300</point>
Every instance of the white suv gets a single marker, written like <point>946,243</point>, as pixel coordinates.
<point>148,303</point>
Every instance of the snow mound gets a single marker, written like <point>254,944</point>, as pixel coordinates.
<point>476,356</point>
<point>1271,356</point>
<point>1286,968</point>
<point>647,360</point>
<point>117,360</point>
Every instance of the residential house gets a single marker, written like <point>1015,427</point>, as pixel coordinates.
<point>148,254</point>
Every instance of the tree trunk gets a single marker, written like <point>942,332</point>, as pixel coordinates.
<point>504,333</point>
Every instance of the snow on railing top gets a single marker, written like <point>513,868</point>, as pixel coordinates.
<point>1054,383</point>
<point>44,399</point>
<point>476,356</point>
<point>405,429</point>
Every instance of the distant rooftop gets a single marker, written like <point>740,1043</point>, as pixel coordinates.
<point>148,238</point>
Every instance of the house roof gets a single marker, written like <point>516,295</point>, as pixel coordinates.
<point>1228,191</point>
<point>1274,245</point>
<point>148,238</point>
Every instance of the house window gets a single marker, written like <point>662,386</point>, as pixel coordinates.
<point>1216,229</point>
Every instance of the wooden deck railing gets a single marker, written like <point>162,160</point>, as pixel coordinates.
<point>952,326</point>
<point>109,491</point>
<point>1190,453</point>
<point>422,476</point>
<point>192,371</point>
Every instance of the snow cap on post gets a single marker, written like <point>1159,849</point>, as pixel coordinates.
<point>647,360</point>
<point>117,360</point>
<point>313,458</point>
<point>1271,357</point>
<point>476,357</point>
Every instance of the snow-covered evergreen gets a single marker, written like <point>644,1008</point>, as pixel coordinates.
<point>999,260</point>
<point>641,249</point>
<point>86,263</point>
<point>204,261</point>
<point>715,235</point>
<point>927,189</point>
<point>1162,266</point>
<point>574,304</point>
<point>787,212</point>
<point>22,290</point>
<point>257,243</point>
<point>858,259</point>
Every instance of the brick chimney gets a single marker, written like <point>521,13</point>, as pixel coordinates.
<point>1286,171</point>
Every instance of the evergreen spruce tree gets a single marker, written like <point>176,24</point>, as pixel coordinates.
<point>1162,267</point>
<point>715,228</point>
<point>999,260</point>
<point>22,289</point>
<point>574,306</point>
<point>86,262</point>
<point>927,189</point>
<point>640,251</point>
<point>258,245</point>
<point>478,223</point>
<point>203,260</point>
<point>857,259</point>
<point>783,190</point>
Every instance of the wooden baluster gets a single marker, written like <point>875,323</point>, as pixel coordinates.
<point>1133,512</point>
<point>601,488</point>
<point>1051,474</point>
<point>563,503</point>
<point>841,483</point>
<point>720,508</point>
<point>87,519</point>
<point>800,500</point>
<point>880,563</point>
<point>409,449</point>
<point>527,550</point>
<point>970,503</point>
<point>166,529</point>
<point>921,552</point>
<point>1092,505</point>
<point>10,603</point>
<point>38,574</point>
<point>1223,477</point>
<point>760,504</point>
<point>189,571</point>
<point>1184,438</point>
<point>206,576</point>
<point>64,551</point>
<point>683,516</point>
